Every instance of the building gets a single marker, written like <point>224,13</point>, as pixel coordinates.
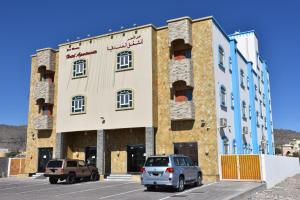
<point>290,148</point>
<point>185,88</point>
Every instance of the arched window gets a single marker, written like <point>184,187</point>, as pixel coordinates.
<point>79,68</point>
<point>125,99</point>
<point>244,110</point>
<point>223,96</point>
<point>221,56</point>
<point>124,60</point>
<point>78,104</point>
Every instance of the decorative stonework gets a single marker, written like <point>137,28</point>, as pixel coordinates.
<point>181,70</point>
<point>46,58</point>
<point>44,90</point>
<point>182,110</point>
<point>181,29</point>
<point>43,122</point>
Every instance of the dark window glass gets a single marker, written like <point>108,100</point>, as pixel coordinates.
<point>189,161</point>
<point>179,161</point>
<point>71,164</point>
<point>54,164</point>
<point>157,162</point>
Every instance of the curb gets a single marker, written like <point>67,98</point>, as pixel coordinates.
<point>248,193</point>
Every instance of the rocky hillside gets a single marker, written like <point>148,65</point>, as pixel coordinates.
<point>284,136</point>
<point>13,137</point>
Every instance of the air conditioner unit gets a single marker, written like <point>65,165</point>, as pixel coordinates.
<point>245,130</point>
<point>223,122</point>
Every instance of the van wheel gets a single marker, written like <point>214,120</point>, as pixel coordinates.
<point>53,180</point>
<point>71,179</point>
<point>199,180</point>
<point>94,176</point>
<point>180,184</point>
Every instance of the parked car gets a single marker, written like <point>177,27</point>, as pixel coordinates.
<point>70,170</point>
<point>174,171</point>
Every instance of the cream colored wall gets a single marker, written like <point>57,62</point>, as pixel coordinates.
<point>102,83</point>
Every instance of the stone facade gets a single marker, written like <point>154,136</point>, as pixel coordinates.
<point>180,29</point>
<point>181,70</point>
<point>182,110</point>
<point>37,138</point>
<point>44,90</point>
<point>43,122</point>
<point>203,98</point>
<point>47,58</point>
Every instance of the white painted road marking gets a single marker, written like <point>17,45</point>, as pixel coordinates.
<point>187,191</point>
<point>105,197</point>
<point>92,189</point>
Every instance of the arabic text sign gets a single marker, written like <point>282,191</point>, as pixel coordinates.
<point>134,40</point>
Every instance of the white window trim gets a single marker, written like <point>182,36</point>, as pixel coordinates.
<point>124,67</point>
<point>84,69</point>
<point>132,100</point>
<point>83,105</point>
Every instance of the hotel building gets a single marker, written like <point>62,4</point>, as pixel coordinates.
<point>184,88</point>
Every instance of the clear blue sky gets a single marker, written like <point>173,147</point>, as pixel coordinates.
<point>32,24</point>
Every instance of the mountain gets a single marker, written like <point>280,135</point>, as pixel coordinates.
<point>284,136</point>
<point>13,137</point>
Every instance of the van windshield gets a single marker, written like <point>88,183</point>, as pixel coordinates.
<point>54,164</point>
<point>157,162</point>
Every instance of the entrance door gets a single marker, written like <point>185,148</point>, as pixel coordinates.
<point>189,149</point>
<point>45,154</point>
<point>135,157</point>
<point>91,155</point>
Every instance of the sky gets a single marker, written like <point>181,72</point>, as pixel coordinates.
<point>33,24</point>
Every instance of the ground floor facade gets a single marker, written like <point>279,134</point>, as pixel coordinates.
<point>119,151</point>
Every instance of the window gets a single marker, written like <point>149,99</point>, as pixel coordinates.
<point>244,110</point>
<point>258,82</point>
<point>124,99</point>
<point>79,68</point>
<point>124,60</point>
<point>230,64</point>
<point>223,96</point>
<point>157,162</point>
<point>72,163</point>
<point>189,162</point>
<point>248,82</point>
<point>179,161</point>
<point>226,146</point>
<point>81,163</point>
<point>233,147</point>
<point>78,104</point>
<point>260,109</point>
<point>232,100</point>
<point>250,114</point>
<point>242,76</point>
<point>221,57</point>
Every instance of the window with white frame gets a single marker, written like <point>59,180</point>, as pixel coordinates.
<point>223,96</point>
<point>250,114</point>
<point>244,110</point>
<point>242,77</point>
<point>230,64</point>
<point>124,60</point>
<point>221,56</point>
<point>124,99</point>
<point>78,104</point>
<point>79,68</point>
<point>232,100</point>
<point>234,149</point>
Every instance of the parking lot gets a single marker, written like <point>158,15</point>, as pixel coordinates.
<point>27,188</point>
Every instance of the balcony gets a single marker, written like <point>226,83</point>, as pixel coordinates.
<point>43,122</point>
<point>182,110</point>
<point>45,59</point>
<point>181,70</point>
<point>44,91</point>
<point>180,29</point>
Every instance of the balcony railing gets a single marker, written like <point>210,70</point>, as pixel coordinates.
<point>182,110</point>
<point>43,122</point>
<point>44,91</point>
<point>181,70</point>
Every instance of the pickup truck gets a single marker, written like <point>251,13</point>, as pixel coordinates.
<point>70,170</point>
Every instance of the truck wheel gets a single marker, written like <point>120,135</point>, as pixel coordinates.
<point>71,178</point>
<point>53,180</point>
<point>94,176</point>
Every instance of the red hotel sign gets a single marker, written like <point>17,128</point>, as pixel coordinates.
<point>78,55</point>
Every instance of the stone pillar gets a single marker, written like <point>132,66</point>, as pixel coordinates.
<point>101,151</point>
<point>149,140</point>
<point>59,146</point>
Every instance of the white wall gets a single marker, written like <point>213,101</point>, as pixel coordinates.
<point>277,168</point>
